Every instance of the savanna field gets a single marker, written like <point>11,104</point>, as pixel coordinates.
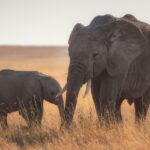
<point>85,132</point>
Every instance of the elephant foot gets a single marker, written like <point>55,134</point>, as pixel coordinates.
<point>34,124</point>
<point>109,119</point>
<point>4,126</point>
<point>140,121</point>
<point>67,126</point>
<point>24,128</point>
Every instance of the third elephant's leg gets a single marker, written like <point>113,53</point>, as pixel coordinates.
<point>108,101</point>
<point>109,98</point>
<point>141,108</point>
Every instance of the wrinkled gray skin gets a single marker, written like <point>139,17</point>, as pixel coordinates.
<point>24,91</point>
<point>141,104</point>
<point>115,55</point>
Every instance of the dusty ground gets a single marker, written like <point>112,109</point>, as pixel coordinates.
<point>85,133</point>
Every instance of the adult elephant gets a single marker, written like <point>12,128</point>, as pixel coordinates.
<point>115,56</point>
<point>24,91</point>
<point>141,104</point>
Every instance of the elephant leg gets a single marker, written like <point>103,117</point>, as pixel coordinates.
<point>26,114</point>
<point>141,109</point>
<point>109,97</point>
<point>38,107</point>
<point>95,87</point>
<point>24,110</point>
<point>33,112</point>
<point>3,121</point>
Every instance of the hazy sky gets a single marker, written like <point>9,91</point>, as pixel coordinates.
<point>49,22</point>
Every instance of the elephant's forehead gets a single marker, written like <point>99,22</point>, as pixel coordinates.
<point>80,50</point>
<point>101,20</point>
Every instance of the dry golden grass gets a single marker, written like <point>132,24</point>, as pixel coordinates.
<point>85,132</point>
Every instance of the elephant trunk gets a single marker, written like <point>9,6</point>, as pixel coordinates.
<point>74,83</point>
<point>61,109</point>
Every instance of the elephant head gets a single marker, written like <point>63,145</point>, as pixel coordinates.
<point>50,87</point>
<point>109,47</point>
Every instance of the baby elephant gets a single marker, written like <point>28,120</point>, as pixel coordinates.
<point>24,91</point>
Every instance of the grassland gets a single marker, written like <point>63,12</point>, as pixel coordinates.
<point>85,132</point>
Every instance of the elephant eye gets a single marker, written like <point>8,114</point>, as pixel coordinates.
<point>95,54</point>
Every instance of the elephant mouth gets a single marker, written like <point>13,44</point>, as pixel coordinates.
<point>88,86</point>
<point>88,77</point>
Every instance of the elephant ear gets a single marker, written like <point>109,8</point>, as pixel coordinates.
<point>74,32</point>
<point>126,43</point>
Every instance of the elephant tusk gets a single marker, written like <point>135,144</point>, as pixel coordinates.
<point>62,91</point>
<point>88,86</point>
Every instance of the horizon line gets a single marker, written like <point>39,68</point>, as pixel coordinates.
<point>32,45</point>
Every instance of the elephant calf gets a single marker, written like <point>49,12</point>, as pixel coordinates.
<point>24,91</point>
